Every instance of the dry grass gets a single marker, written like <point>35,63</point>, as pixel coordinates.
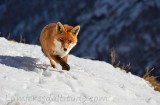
<point>127,67</point>
<point>152,79</point>
<point>22,39</point>
<point>10,39</point>
<point>113,56</point>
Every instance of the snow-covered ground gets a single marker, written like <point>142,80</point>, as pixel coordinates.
<point>27,79</point>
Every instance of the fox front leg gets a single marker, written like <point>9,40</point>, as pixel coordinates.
<point>64,65</point>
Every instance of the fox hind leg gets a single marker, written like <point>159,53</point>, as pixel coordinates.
<point>52,63</point>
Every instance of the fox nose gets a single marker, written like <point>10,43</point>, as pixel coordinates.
<point>65,49</point>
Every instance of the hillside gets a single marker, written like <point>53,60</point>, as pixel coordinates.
<point>27,79</point>
<point>130,26</point>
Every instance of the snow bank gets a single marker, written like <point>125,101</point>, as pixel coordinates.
<point>26,78</point>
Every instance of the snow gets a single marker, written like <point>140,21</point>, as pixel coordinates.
<point>26,78</point>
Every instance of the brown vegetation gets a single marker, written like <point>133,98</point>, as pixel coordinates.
<point>151,79</point>
<point>119,64</point>
<point>22,40</point>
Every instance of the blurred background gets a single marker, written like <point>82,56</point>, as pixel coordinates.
<point>131,27</point>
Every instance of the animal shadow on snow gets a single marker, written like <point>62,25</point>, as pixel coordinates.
<point>26,63</point>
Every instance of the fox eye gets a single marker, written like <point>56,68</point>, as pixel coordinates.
<point>70,41</point>
<point>61,40</point>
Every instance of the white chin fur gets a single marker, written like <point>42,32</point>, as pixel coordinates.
<point>59,50</point>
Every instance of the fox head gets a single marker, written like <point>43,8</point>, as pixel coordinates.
<point>65,38</point>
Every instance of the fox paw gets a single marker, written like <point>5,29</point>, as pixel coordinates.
<point>66,67</point>
<point>53,65</point>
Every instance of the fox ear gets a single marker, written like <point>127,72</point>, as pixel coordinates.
<point>75,30</point>
<point>59,28</point>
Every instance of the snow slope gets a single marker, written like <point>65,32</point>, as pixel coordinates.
<point>27,79</point>
<point>132,27</point>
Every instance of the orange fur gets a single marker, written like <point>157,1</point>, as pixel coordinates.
<point>65,35</point>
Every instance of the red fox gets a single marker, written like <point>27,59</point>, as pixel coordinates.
<point>56,41</point>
